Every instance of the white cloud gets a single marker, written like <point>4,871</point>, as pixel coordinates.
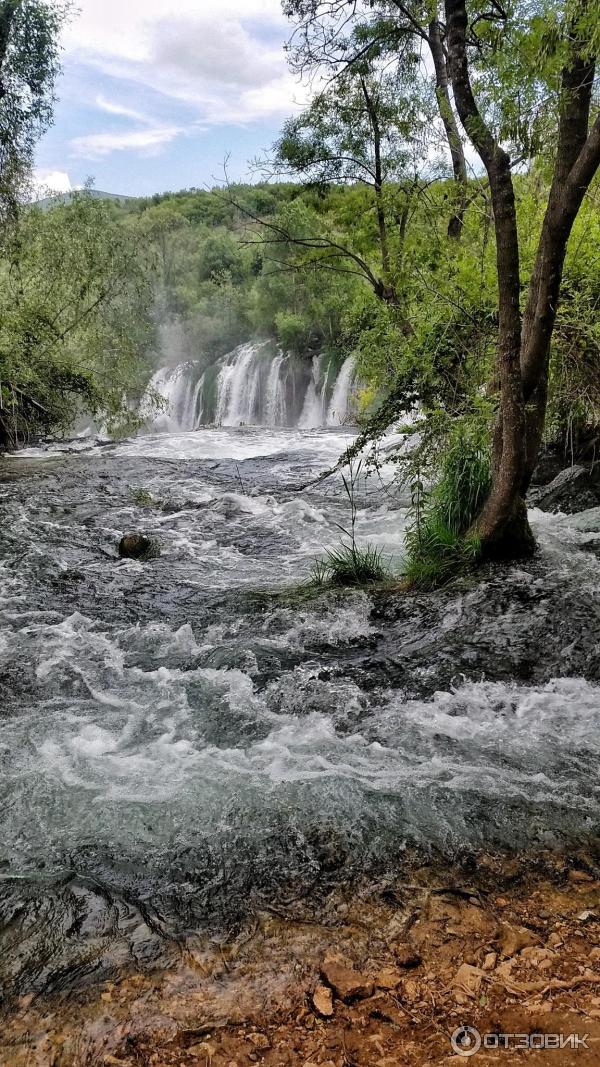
<point>46,182</point>
<point>224,60</point>
<point>112,108</point>
<point>148,141</point>
<point>125,27</point>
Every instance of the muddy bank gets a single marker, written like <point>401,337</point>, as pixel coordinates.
<point>381,977</point>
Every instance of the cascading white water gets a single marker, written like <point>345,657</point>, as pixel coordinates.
<point>239,388</point>
<point>313,410</point>
<point>275,408</point>
<point>256,384</point>
<point>198,393</point>
<point>337,412</point>
<point>174,386</point>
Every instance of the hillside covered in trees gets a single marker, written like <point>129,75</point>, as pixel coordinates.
<point>210,260</point>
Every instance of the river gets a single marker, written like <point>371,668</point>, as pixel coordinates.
<point>184,738</point>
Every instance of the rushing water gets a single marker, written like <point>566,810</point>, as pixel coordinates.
<point>184,738</point>
<point>256,384</point>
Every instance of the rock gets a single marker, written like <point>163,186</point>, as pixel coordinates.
<point>515,938</point>
<point>138,546</point>
<point>580,876</point>
<point>466,983</point>
<point>549,464</point>
<point>411,990</point>
<point>203,1049</point>
<point>384,1007</point>
<point>346,983</point>
<point>490,961</point>
<point>388,978</point>
<point>406,955</point>
<point>537,955</point>
<point>259,1040</point>
<point>323,1001</point>
<point>574,489</point>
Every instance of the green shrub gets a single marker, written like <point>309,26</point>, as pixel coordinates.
<point>439,542</point>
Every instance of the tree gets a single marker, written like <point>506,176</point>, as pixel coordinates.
<point>336,36</point>
<point>367,128</point>
<point>29,66</point>
<point>564,48</point>
<point>75,292</point>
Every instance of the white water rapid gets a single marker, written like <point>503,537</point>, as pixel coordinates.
<point>187,738</point>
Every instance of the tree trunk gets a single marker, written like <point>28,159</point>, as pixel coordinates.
<point>563,204</point>
<point>434,38</point>
<point>378,184</point>
<point>524,354</point>
<point>503,510</point>
<point>442,92</point>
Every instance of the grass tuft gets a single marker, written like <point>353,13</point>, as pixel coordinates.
<point>350,565</point>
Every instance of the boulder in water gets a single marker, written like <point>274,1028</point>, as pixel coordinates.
<point>138,546</point>
<point>550,463</point>
<point>574,489</point>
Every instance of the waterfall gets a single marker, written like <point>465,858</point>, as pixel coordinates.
<point>239,386</point>
<point>198,393</point>
<point>337,412</point>
<point>275,410</point>
<point>313,410</point>
<point>256,384</point>
<point>174,386</point>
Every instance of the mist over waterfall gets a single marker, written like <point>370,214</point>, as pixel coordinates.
<point>256,384</point>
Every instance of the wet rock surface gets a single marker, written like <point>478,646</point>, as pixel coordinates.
<point>138,546</point>
<point>260,998</point>
<point>573,489</point>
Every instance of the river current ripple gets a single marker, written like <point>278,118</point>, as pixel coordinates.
<point>183,739</point>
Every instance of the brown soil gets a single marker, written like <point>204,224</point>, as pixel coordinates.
<point>382,980</point>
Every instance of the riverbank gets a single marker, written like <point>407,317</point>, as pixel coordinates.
<point>379,977</point>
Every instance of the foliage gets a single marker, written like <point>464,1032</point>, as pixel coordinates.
<point>74,319</point>
<point>334,140</point>
<point>29,62</point>
<point>439,541</point>
<point>350,565</point>
<point>210,268</point>
<point>144,499</point>
<point>438,347</point>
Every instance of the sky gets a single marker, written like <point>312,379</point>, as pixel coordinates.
<point>155,95</point>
